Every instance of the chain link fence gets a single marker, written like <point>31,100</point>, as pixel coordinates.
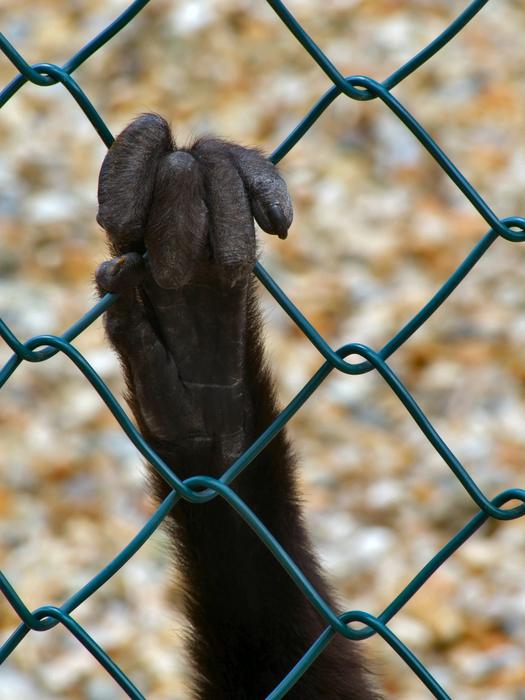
<point>43,347</point>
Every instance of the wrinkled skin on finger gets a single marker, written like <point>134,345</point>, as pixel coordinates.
<point>187,330</point>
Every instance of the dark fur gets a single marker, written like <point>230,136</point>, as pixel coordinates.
<point>188,333</point>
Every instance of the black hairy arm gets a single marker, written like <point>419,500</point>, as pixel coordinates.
<point>187,330</point>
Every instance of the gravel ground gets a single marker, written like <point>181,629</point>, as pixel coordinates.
<point>378,228</point>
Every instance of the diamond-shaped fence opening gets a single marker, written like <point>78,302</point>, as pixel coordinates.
<point>352,359</point>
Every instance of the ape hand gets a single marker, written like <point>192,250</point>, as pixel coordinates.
<point>180,324</point>
<point>188,208</point>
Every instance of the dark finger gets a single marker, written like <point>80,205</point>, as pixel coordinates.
<point>232,234</point>
<point>120,274</point>
<point>127,179</point>
<point>176,228</point>
<point>271,204</point>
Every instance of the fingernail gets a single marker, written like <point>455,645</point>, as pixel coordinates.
<point>277,220</point>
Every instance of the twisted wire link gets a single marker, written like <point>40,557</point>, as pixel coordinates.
<point>200,489</point>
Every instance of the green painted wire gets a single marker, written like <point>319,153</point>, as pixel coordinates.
<point>200,489</point>
<point>26,71</point>
<point>341,83</point>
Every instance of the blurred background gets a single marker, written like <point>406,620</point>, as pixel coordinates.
<point>378,228</point>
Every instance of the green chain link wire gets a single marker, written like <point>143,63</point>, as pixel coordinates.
<point>200,489</point>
